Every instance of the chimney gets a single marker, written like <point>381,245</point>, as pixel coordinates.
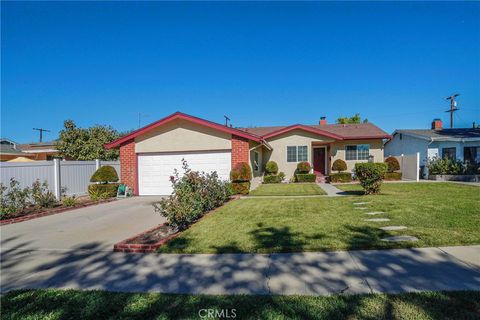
<point>323,121</point>
<point>437,124</point>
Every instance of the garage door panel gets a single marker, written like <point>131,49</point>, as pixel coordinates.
<point>154,170</point>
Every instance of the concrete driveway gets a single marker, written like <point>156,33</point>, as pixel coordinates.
<point>103,224</point>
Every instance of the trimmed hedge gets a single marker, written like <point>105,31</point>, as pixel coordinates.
<point>392,164</point>
<point>105,174</point>
<point>271,168</point>
<point>305,177</point>
<point>241,172</point>
<point>303,167</point>
<point>339,165</point>
<point>274,178</point>
<point>341,177</point>
<point>103,191</point>
<point>371,176</point>
<point>393,176</point>
<point>240,187</point>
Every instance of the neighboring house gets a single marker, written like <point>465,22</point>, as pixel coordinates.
<point>149,155</point>
<point>41,150</point>
<point>462,143</point>
<point>10,150</point>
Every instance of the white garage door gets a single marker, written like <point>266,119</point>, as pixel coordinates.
<point>154,170</point>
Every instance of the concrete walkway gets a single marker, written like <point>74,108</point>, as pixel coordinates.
<point>331,190</point>
<point>393,271</point>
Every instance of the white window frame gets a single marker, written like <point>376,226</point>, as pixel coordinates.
<point>356,151</point>
<point>296,154</point>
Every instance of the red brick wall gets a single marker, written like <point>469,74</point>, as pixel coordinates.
<point>128,165</point>
<point>239,150</point>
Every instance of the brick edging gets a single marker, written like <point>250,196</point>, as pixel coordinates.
<point>51,212</point>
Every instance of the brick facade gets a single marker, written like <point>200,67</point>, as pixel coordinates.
<point>128,165</point>
<point>240,148</point>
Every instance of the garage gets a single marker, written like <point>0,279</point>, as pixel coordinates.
<point>154,170</point>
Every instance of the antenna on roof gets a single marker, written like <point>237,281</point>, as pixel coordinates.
<point>226,120</point>
<point>41,132</point>
<point>453,107</point>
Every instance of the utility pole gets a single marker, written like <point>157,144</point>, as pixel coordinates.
<point>140,115</point>
<point>453,107</point>
<point>226,120</point>
<point>41,130</point>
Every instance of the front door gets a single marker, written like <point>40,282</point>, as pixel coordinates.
<point>319,160</point>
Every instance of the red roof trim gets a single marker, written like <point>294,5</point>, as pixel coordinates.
<point>387,136</point>
<point>179,115</point>
<point>304,128</point>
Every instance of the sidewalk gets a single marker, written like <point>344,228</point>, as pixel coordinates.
<point>315,273</point>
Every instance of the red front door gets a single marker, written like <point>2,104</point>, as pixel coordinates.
<point>319,160</point>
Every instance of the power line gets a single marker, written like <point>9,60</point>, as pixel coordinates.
<point>41,130</point>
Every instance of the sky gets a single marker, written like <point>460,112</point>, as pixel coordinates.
<point>262,64</point>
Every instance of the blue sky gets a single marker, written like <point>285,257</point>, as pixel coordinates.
<point>259,63</point>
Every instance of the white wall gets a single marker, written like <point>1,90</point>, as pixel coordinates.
<point>406,145</point>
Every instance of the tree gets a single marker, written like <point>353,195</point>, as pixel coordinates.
<point>87,143</point>
<point>349,120</point>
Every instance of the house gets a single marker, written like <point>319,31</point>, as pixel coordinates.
<point>41,150</point>
<point>149,155</point>
<point>462,143</point>
<point>10,150</point>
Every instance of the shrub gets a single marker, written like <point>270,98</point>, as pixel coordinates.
<point>194,194</point>
<point>105,174</point>
<point>341,177</point>
<point>271,168</point>
<point>102,191</point>
<point>339,165</point>
<point>42,197</point>
<point>305,177</point>
<point>241,172</point>
<point>444,166</point>
<point>371,176</point>
<point>272,179</point>
<point>241,187</point>
<point>391,176</point>
<point>392,164</point>
<point>303,167</point>
<point>70,201</point>
<point>13,198</point>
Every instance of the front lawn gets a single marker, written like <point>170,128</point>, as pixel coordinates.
<point>439,214</point>
<point>288,189</point>
<point>74,304</point>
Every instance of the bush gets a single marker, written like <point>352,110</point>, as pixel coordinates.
<point>241,172</point>
<point>341,177</point>
<point>444,166</point>
<point>105,174</point>
<point>70,201</point>
<point>371,176</point>
<point>42,197</point>
<point>305,177</point>
<point>392,164</point>
<point>194,194</point>
<point>13,198</point>
<point>102,191</point>
<point>272,179</point>
<point>271,168</point>
<point>392,176</point>
<point>241,187</point>
<point>339,165</point>
<point>303,167</point>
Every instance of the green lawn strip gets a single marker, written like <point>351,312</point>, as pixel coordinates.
<point>74,304</point>
<point>438,214</point>
<point>288,189</point>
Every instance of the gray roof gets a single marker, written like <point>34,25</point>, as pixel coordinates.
<point>444,134</point>
<point>9,149</point>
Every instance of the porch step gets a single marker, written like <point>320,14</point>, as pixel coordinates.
<point>321,179</point>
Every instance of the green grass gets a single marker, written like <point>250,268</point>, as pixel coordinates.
<point>439,214</point>
<point>287,189</point>
<point>74,304</point>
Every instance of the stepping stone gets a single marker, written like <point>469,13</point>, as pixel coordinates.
<point>378,219</point>
<point>374,213</point>
<point>393,228</point>
<point>359,203</point>
<point>400,238</point>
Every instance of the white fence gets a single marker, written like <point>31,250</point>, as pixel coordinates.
<point>74,176</point>
<point>410,166</point>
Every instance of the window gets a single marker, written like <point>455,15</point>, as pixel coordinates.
<point>292,154</point>
<point>297,153</point>
<point>471,154</point>
<point>450,153</point>
<point>255,160</point>
<point>357,152</point>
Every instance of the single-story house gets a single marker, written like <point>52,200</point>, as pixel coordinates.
<point>462,143</point>
<point>41,150</point>
<point>10,150</point>
<point>149,155</point>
